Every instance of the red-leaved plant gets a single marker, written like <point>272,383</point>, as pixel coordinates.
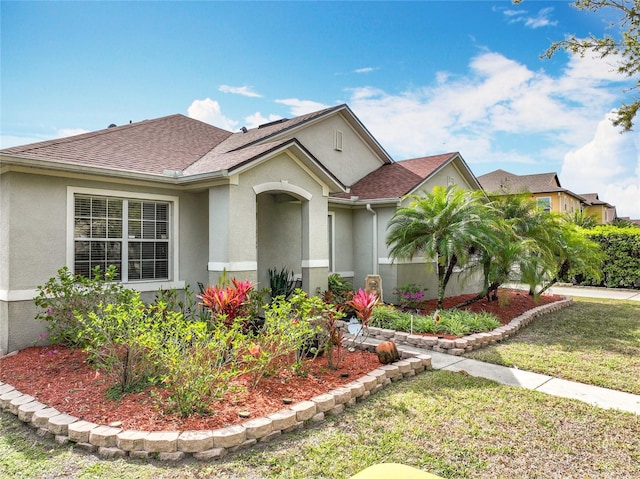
<point>363,302</point>
<point>227,302</point>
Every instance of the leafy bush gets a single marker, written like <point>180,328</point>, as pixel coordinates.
<point>198,363</point>
<point>228,301</point>
<point>621,247</point>
<point>339,293</point>
<point>452,321</point>
<point>409,295</point>
<point>290,326</point>
<point>67,297</point>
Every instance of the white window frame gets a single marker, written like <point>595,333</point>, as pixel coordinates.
<point>544,198</point>
<point>331,236</point>
<point>174,243</point>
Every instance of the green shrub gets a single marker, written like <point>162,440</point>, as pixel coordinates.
<point>339,293</point>
<point>621,247</point>
<point>199,362</point>
<point>67,297</point>
<point>451,321</point>
<point>290,326</point>
<point>122,339</point>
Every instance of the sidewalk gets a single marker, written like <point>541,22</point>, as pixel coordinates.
<point>601,397</point>
<point>588,292</point>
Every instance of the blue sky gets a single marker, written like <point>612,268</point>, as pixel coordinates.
<point>425,77</point>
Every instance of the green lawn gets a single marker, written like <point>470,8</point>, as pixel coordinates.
<point>448,423</point>
<point>593,342</point>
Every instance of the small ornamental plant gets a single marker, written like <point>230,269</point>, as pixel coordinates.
<point>227,302</point>
<point>409,296</point>
<point>62,299</point>
<point>364,302</point>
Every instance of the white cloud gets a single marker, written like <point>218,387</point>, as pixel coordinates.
<point>301,107</point>
<point>209,111</point>
<point>538,20</point>
<point>64,132</point>
<point>364,70</point>
<point>7,141</point>
<point>239,90</point>
<point>501,114</point>
<point>609,165</point>
<point>255,120</point>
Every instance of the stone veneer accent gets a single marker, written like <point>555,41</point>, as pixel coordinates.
<point>206,445</point>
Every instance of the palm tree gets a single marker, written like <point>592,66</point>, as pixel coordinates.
<point>581,218</point>
<point>449,225</point>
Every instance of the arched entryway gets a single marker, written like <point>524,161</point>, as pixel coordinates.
<point>279,234</point>
<point>281,221</point>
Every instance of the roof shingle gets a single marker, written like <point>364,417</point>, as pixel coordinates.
<point>398,179</point>
<point>151,146</point>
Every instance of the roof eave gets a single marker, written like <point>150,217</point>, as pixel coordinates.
<point>66,167</point>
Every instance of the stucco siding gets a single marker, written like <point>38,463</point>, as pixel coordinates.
<point>344,245</point>
<point>355,160</point>
<point>291,226</point>
<point>194,247</point>
<point>36,245</point>
<point>5,230</point>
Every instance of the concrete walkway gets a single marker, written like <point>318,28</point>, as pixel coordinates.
<point>588,292</point>
<point>601,397</point>
<point>598,396</point>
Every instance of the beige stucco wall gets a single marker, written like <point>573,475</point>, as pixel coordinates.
<point>34,242</point>
<point>355,160</point>
<point>358,236</point>
<point>344,245</point>
<point>279,206</point>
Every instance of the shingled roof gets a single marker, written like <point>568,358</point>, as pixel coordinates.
<point>177,145</point>
<point>398,179</point>
<point>151,146</point>
<point>501,181</point>
<point>592,199</point>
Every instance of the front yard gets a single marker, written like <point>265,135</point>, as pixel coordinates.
<point>447,423</point>
<point>594,342</point>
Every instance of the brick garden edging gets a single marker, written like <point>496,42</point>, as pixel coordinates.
<point>468,343</point>
<point>112,441</point>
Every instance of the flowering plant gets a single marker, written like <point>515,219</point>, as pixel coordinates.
<point>409,295</point>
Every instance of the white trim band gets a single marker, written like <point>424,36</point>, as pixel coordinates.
<point>233,266</point>
<point>315,263</point>
<point>142,287</point>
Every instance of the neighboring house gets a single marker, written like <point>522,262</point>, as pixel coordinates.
<point>175,201</point>
<point>545,188</point>
<point>601,211</point>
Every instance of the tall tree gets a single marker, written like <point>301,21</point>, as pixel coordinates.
<point>448,225</point>
<point>624,44</point>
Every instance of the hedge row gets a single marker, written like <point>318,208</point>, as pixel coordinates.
<point>621,246</point>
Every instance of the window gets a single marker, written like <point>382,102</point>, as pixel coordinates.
<point>544,203</point>
<point>132,235</point>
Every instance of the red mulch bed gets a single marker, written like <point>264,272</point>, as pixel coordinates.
<point>62,379</point>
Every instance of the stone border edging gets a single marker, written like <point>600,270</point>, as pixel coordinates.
<point>468,343</point>
<point>114,442</point>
